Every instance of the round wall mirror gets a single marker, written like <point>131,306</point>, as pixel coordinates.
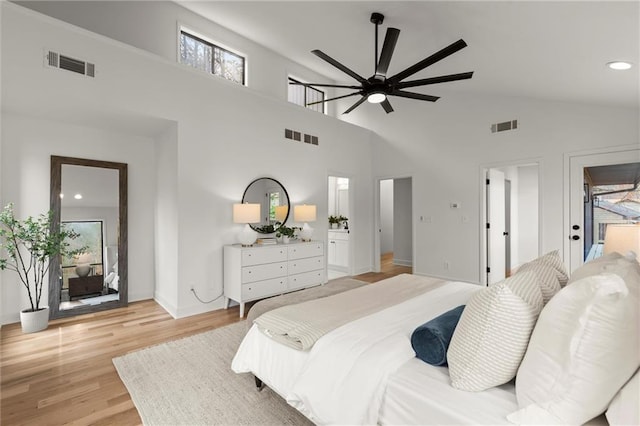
<point>274,203</point>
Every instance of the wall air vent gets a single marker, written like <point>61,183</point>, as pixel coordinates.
<point>506,125</point>
<point>56,60</point>
<point>300,137</point>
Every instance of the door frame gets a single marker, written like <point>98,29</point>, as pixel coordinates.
<point>377,221</point>
<point>352,215</point>
<point>483,206</point>
<point>598,156</point>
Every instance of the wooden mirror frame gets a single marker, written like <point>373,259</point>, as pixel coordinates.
<point>56,205</point>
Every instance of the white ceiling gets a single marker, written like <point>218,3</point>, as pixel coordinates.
<point>548,50</point>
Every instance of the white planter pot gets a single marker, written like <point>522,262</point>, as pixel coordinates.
<point>334,226</point>
<point>34,321</point>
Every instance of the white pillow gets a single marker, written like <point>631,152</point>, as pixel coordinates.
<point>491,337</point>
<point>625,407</point>
<point>614,263</point>
<point>582,350</point>
<point>547,278</point>
<point>553,259</point>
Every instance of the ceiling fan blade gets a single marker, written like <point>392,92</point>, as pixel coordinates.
<point>356,105</point>
<point>438,56</point>
<point>333,99</point>
<point>389,45</point>
<point>324,85</point>
<point>434,80</point>
<point>413,95</point>
<point>338,65</point>
<point>387,106</point>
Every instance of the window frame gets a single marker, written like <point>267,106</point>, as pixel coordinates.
<point>324,95</point>
<point>214,45</point>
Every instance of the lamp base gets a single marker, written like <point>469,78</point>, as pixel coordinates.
<point>306,232</point>
<point>247,236</point>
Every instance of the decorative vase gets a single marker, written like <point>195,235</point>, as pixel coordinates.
<point>83,270</point>
<point>34,321</point>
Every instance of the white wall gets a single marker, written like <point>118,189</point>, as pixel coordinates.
<point>402,222</point>
<point>27,144</point>
<point>225,136</point>
<point>386,216</point>
<point>528,214</point>
<point>267,71</point>
<point>445,145</point>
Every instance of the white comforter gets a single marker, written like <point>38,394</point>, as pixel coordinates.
<point>342,378</point>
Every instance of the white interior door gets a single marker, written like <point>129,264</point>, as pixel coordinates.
<point>574,241</point>
<point>496,247</point>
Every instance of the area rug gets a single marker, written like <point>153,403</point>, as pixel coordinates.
<point>190,382</point>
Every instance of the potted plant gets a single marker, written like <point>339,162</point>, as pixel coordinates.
<point>286,233</point>
<point>29,246</point>
<point>334,221</point>
<point>342,221</point>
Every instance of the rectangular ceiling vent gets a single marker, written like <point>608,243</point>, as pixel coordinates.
<point>504,126</point>
<point>56,60</point>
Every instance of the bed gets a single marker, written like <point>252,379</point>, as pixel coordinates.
<point>301,376</point>
<point>364,371</point>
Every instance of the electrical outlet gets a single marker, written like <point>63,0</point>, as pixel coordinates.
<point>191,287</point>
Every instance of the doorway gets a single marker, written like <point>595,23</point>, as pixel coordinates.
<point>591,176</point>
<point>511,229</point>
<point>394,239</point>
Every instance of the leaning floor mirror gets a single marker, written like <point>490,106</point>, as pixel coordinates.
<point>90,198</point>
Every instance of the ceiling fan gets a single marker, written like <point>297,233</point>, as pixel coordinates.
<point>378,87</point>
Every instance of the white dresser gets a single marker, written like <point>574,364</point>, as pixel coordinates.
<point>257,272</point>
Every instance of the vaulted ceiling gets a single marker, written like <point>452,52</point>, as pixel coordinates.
<point>539,49</point>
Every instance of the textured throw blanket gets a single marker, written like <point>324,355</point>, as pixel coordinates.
<point>300,326</point>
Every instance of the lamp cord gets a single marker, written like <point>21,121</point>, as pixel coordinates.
<point>193,290</point>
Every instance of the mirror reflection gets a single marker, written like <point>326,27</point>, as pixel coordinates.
<point>274,203</point>
<point>89,206</point>
<point>89,197</point>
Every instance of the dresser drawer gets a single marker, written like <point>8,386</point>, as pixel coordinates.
<point>263,272</point>
<point>262,255</point>
<point>264,288</point>
<point>306,250</point>
<point>306,264</point>
<point>306,279</point>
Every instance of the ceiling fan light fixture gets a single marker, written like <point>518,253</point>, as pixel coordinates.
<point>376,97</point>
<point>619,65</point>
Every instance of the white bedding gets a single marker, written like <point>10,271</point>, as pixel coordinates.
<point>419,393</point>
<point>342,379</point>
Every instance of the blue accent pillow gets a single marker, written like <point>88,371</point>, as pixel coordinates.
<point>431,340</point>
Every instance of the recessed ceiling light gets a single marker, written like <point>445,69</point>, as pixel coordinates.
<point>619,65</point>
<point>78,196</point>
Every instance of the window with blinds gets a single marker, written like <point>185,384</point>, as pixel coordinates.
<point>208,57</point>
<point>304,95</point>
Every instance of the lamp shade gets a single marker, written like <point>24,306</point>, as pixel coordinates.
<point>281,213</point>
<point>246,213</point>
<point>622,238</point>
<point>304,213</point>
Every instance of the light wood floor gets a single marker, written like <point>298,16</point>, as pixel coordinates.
<point>387,270</point>
<point>64,375</point>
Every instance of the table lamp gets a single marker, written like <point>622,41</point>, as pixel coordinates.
<point>622,238</point>
<point>246,213</point>
<point>281,213</point>
<point>305,213</point>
